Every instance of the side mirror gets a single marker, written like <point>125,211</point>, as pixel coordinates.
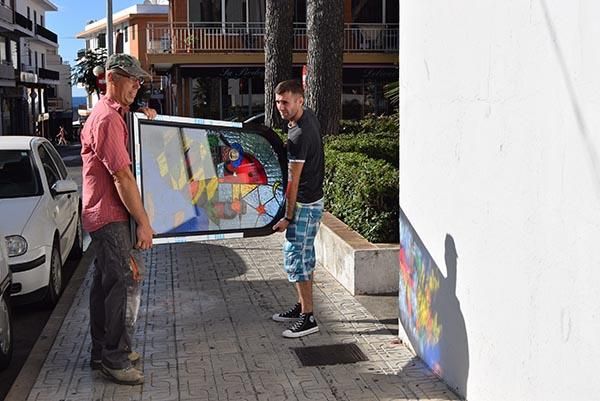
<point>64,187</point>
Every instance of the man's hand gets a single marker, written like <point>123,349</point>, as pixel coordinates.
<point>144,237</point>
<point>149,112</point>
<point>281,225</point>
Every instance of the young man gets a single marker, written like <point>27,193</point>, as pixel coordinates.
<point>304,204</point>
<point>110,197</point>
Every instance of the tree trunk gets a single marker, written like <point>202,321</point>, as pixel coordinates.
<point>325,26</point>
<point>279,38</point>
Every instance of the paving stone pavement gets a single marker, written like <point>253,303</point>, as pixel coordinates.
<point>205,333</point>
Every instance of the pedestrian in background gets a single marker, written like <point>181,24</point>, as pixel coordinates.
<point>304,204</point>
<point>61,137</point>
<point>110,198</point>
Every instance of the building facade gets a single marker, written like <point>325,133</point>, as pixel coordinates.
<point>130,30</point>
<point>208,56</point>
<point>30,70</point>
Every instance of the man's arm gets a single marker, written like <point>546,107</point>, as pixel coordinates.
<point>291,194</point>
<point>130,196</point>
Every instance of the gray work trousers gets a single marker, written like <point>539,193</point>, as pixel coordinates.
<point>115,294</point>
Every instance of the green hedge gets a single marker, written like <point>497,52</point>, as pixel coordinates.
<point>363,193</point>
<point>372,125</point>
<point>373,146</point>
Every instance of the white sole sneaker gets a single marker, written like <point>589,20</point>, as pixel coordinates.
<point>278,318</point>
<point>290,334</point>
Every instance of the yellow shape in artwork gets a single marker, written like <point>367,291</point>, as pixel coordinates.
<point>163,166</point>
<point>245,189</point>
<point>199,174</point>
<point>179,218</point>
<point>211,187</point>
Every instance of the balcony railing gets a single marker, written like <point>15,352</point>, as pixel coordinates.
<point>55,103</point>
<point>22,21</point>
<point>243,37</point>
<point>7,71</point>
<point>48,74</point>
<point>6,13</point>
<point>46,33</point>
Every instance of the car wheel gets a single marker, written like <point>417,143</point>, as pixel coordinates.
<point>6,338</point>
<point>55,281</point>
<point>77,249</point>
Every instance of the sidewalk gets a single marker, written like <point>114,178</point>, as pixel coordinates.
<point>205,333</point>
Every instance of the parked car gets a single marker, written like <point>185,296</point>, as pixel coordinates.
<point>256,119</point>
<point>6,338</point>
<point>41,217</point>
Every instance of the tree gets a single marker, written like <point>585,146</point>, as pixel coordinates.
<point>325,28</point>
<point>279,39</point>
<point>82,71</point>
<point>392,93</point>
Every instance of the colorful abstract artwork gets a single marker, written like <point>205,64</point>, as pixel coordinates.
<point>419,285</point>
<point>207,178</point>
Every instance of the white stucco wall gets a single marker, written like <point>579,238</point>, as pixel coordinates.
<point>500,152</point>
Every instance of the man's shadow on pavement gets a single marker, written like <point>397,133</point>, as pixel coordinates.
<point>430,312</point>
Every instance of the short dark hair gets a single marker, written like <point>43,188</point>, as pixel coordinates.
<point>291,85</point>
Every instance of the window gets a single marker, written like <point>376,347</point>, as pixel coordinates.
<point>52,174</point>
<point>43,60</point>
<point>102,40</point>
<point>41,20</point>
<point>3,50</point>
<point>29,57</point>
<point>34,18</point>
<point>28,13</point>
<point>300,11</point>
<point>36,61</point>
<point>392,12</point>
<point>126,34</point>
<point>17,177</point>
<point>367,11</point>
<point>205,10</point>
<point>57,160</point>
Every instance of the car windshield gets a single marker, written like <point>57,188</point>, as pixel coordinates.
<point>17,176</point>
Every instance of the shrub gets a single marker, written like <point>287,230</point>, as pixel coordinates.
<point>372,124</point>
<point>363,193</point>
<point>373,146</point>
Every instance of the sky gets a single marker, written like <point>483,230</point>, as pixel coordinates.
<point>71,18</point>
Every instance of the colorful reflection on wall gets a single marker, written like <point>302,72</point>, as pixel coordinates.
<point>419,284</point>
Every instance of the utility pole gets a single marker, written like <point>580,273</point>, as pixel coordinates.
<point>109,28</point>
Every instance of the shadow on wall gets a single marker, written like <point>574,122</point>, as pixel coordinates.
<point>429,310</point>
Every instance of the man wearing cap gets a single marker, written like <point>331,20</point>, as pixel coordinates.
<point>110,197</point>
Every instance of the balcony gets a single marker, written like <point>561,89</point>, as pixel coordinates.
<point>23,22</point>
<point>46,33</point>
<point>250,38</point>
<point>6,13</point>
<point>48,74</point>
<point>56,104</point>
<point>7,71</point>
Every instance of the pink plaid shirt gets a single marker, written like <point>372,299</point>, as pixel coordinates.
<point>104,152</point>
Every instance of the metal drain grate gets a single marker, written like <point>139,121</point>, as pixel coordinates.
<point>330,354</point>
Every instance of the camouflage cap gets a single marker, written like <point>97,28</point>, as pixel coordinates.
<point>126,63</point>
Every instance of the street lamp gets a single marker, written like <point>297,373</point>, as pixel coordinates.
<point>109,28</point>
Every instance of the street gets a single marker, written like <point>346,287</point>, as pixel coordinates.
<point>29,320</point>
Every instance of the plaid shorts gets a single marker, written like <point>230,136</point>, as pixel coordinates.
<point>299,247</point>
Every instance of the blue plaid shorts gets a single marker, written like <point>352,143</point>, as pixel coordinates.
<point>299,247</point>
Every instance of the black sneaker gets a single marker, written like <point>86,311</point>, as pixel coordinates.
<point>303,327</point>
<point>292,314</point>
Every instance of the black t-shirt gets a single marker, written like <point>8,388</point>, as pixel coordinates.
<point>304,144</point>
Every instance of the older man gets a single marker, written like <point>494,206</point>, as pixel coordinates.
<point>110,197</point>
